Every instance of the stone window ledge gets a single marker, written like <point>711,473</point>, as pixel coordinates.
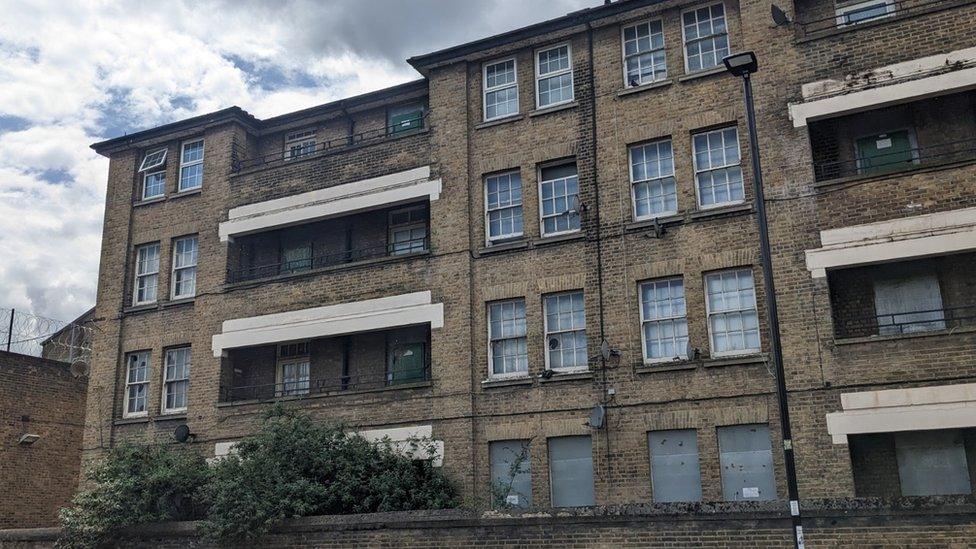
<point>554,108</point>
<point>645,87</point>
<point>702,74</point>
<point>498,121</point>
<point>732,209</point>
<point>510,382</point>
<point>717,362</point>
<point>505,246</point>
<point>567,376</point>
<point>568,237</point>
<point>191,192</point>
<point>149,201</point>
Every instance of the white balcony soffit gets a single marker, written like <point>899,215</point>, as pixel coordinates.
<point>908,81</point>
<point>331,320</point>
<point>906,238</point>
<point>916,409</point>
<point>330,202</point>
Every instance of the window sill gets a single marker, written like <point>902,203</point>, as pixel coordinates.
<point>149,201</point>
<point>172,416</point>
<point>509,382</point>
<point>674,366</point>
<point>556,239</point>
<point>736,360</point>
<point>645,87</point>
<point>178,302</point>
<point>554,108</point>
<point>131,420</point>
<point>191,192</point>
<point>722,211</point>
<point>328,269</point>
<point>133,309</point>
<point>498,121</point>
<point>703,73</point>
<point>663,221</point>
<point>576,375</point>
<point>504,246</point>
<point>896,337</point>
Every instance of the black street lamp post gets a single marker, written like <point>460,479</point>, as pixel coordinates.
<point>744,65</point>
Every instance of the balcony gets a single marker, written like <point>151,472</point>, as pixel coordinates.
<point>918,135</point>
<point>378,360</point>
<point>904,298</point>
<point>354,239</point>
<point>816,17</point>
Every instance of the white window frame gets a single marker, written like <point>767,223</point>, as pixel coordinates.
<point>682,352</point>
<point>491,359</point>
<point>485,89</point>
<point>192,163</point>
<point>129,383</point>
<point>843,11</point>
<point>282,361</point>
<point>684,38</point>
<point>694,161</point>
<point>301,138</point>
<point>547,333</point>
<point>542,216</point>
<point>146,166</point>
<point>410,226</point>
<point>166,381</point>
<point>489,239</point>
<point>624,56</point>
<point>569,71</point>
<point>185,267</point>
<point>708,316</point>
<point>145,181</point>
<point>140,275</point>
<point>634,182</point>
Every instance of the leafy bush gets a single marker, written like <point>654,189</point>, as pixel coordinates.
<point>295,467</point>
<point>134,484</point>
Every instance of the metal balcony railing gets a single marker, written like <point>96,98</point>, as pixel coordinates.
<point>405,127</point>
<point>874,12</point>
<point>393,249</point>
<point>909,322</point>
<point>332,385</point>
<point>903,160</point>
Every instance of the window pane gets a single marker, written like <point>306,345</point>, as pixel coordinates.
<point>511,473</point>
<point>566,331</point>
<point>747,463</point>
<point>506,325</point>
<point>154,185</point>
<point>675,475</point>
<point>193,152</point>
<point>571,471</point>
<point>191,177</point>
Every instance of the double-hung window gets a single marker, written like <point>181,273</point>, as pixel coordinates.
<point>184,267</point>
<point>500,89</point>
<point>565,325</point>
<point>559,199</point>
<point>652,176</point>
<point>503,206</point>
<point>136,384</point>
<point>408,230</point>
<point>718,173</point>
<point>553,76</point>
<point>191,165</point>
<point>176,379</point>
<point>706,37</point>
<point>644,56</point>
<point>664,321</point>
<point>154,177</point>
<point>506,338</point>
<point>862,12</point>
<point>733,322</point>
<point>147,273</point>
<point>299,143</point>
<point>293,369</point>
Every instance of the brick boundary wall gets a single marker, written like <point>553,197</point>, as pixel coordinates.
<point>917,522</point>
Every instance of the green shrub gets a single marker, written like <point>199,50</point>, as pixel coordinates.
<point>133,484</point>
<point>295,467</point>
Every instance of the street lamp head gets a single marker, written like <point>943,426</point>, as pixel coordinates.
<point>741,64</point>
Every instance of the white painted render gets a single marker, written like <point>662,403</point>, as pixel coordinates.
<point>330,320</point>
<point>324,203</point>
<point>910,237</point>
<point>915,409</point>
<point>950,73</point>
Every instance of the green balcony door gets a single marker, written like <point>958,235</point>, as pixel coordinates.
<point>407,363</point>
<point>885,152</point>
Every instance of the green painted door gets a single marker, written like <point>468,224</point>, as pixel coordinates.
<point>408,364</point>
<point>885,152</point>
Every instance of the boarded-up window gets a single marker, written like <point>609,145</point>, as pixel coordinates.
<point>932,463</point>
<point>571,471</point>
<point>675,475</point>
<point>747,463</point>
<point>511,473</point>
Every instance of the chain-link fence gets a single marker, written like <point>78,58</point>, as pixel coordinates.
<point>29,334</point>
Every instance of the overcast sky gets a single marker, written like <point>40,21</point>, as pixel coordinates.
<point>73,73</point>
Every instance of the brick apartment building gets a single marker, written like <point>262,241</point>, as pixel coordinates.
<point>444,258</point>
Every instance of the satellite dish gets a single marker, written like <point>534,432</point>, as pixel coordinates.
<point>779,16</point>
<point>182,433</point>
<point>597,415</point>
<point>79,368</point>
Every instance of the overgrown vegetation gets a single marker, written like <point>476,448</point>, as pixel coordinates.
<point>292,467</point>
